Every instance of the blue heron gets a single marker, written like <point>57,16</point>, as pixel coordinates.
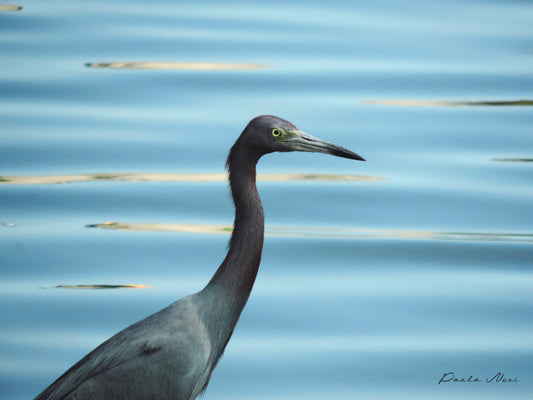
<point>172,353</point>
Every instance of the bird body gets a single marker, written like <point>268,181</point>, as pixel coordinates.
<point>172,353</point>
<point>144,360</point>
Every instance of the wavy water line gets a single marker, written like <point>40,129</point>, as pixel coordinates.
<point>525,159</point>
<point>162,177</point>
<point>103,286</point>
<point>176,65</point>
<point>257,344</point>
<point>9,7</point>
<point>445,103</point>
<point>436,343</point>
<point>320,232</point>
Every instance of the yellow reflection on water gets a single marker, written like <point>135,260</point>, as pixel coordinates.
<point>320,232</point>
<point>9,7</point>
<point>102,286</point>
<point>141,177</point>
<point>169,65</point>
<point>443,103</point>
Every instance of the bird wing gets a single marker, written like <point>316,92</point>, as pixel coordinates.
<point>167,352</point>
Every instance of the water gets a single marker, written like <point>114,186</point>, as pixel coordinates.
<point>377,278</point>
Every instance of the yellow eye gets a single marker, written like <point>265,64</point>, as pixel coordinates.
<point>277,132</point>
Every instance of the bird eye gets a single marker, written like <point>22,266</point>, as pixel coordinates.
<point>276,132</point>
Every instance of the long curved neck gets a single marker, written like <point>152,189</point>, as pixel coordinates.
<point>238,270</point>
<point>227,292</point>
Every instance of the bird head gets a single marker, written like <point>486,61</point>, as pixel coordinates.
<point>268,133</point>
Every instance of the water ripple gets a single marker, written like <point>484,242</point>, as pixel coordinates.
<point>319,232</point>
<point>514,341</point>
<point>159,65</point>
<point>161,177</point>
<point>444,103</point>
<point>9,7</point>
<point>513,159</point>
<point>126,286</point>
<point>287,344</point>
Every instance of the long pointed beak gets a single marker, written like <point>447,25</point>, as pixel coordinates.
<point>301,141</point>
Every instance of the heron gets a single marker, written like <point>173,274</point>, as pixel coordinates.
<point>172,353</point>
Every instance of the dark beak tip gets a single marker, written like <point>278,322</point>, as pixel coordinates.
<point>357,157</point>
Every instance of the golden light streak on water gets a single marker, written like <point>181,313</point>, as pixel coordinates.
<point>9,7</point>
<point>321,232</point>
<point>142,177</point>
<point>125,286</point>
<point>169,65</point>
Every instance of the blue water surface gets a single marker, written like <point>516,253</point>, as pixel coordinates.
<point>372,287</point>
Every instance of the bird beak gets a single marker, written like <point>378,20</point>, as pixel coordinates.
<point>301,141</point>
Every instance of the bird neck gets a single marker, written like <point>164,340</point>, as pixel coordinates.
<point>227,292</point>
<point>238,270</point>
